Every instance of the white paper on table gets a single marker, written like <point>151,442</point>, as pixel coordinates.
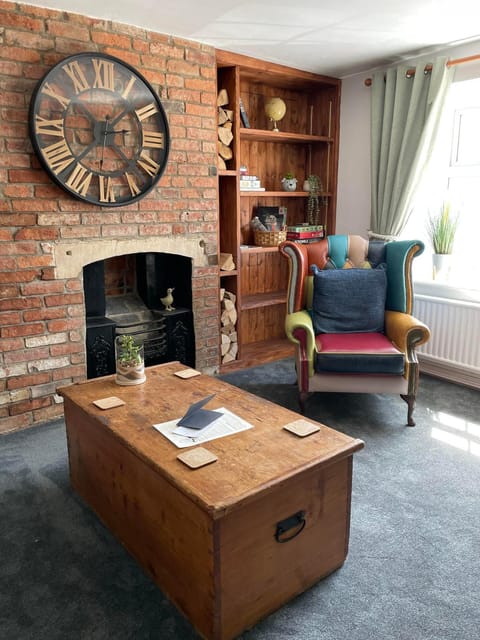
<point>226,425</point>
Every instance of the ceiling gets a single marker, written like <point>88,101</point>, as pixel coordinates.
<point>330,37</point>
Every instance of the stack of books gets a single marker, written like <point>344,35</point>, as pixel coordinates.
<point>305,233</point>
<point>250,183</point>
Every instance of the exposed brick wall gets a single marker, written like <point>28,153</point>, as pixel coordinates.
<point>42,323</point>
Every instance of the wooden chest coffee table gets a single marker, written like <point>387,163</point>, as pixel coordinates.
<point>211,537</point>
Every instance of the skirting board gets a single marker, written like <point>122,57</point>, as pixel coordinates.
<point>468,376</point>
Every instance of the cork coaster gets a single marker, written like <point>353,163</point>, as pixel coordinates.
<point>187,373</point>
<point>196,458</point>
<point>302,428</point>
<point>108,403</point>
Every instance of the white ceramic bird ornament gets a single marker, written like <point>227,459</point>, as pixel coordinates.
<point>167,301</point>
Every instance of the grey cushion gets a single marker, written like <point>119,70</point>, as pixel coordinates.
<point>349,300</point>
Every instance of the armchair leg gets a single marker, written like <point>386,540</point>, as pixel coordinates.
<point>410,400</point>
<point>302,397</point>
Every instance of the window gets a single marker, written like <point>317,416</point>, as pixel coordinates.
<point>454,176</point>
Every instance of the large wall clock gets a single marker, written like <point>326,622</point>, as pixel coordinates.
<point>99,129</point>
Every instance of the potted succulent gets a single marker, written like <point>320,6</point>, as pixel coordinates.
<point>441,229</point>
<point>289,182</point>
<point>129,359</point>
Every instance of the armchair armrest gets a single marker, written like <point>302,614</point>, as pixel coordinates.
<point>299,330</point>
<point>406,332</point>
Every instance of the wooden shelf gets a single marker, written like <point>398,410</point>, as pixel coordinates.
<point>225,274</point>
<point>252,248</point>
<point>228,172</point>
<point>279,194</point>
<point>258,300</point>
<point>262,135</point>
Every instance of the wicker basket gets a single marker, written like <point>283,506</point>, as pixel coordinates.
<point>269,238</point>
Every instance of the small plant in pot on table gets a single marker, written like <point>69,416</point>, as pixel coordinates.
<point>130,363</point>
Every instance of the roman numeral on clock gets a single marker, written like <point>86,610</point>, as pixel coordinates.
<point>146,111</point>
<point>153,139</point>
<point>49,127</point>
<point>76,75</point>
<point>104,74</point>
<point>47,90</point>
<point>134,189</point>
<point>58,156</point>
<point>148,164</point>
<point>79,180</point>
<point>106,189</point>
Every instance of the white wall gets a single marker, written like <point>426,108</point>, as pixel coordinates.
<point>353,203</point>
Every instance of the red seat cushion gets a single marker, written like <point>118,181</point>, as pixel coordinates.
<point>358,353</point>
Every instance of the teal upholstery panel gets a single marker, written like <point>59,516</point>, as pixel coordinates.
<point>396,255</point>
<point>338,250</point>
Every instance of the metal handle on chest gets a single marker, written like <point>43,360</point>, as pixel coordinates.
<point>296,522</point>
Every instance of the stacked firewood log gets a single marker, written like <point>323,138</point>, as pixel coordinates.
<point>228,319</point>
<point>225,124</point>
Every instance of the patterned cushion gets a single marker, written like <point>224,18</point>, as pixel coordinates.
<point>348,300</point>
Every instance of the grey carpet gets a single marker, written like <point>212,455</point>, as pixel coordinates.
<point>412,573</point>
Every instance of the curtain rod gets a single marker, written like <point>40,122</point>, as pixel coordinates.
<point>451,63</point>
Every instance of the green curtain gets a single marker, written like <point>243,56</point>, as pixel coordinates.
<point>405,113</point>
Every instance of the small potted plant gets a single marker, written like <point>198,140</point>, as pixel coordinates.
<point>441,229</point>
<point>130,362</point>
<point>289,182</point>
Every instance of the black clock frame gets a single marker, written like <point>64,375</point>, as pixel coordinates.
<point>61,181</point>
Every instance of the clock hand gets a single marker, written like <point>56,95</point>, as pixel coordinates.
<point>105,133</point>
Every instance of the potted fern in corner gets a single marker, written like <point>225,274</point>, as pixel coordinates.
<point>441,229</point>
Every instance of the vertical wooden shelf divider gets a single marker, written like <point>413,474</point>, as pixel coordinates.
<point>306,144</point>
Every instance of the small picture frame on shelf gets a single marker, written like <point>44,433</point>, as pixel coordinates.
<point>272,218</point>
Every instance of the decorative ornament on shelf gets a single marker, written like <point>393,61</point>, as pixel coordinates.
<point>167,301</point>
<point>441,229</point>
<point>275,109</point>
<point>289,182</point>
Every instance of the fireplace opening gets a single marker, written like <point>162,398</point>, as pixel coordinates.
<point>124,294</point>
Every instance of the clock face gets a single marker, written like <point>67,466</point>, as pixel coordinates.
<point>99,129</point>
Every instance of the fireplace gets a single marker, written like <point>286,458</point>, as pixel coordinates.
<point>123,295</point>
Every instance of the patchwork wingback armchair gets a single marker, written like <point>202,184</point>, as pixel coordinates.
<point>349,307</point>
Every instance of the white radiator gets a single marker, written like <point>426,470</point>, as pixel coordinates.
<point>453,351</point>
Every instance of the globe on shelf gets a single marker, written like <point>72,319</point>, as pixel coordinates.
<point>275,109</point>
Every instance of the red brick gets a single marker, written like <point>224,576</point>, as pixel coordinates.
<point>62,300</point>
<point>25,262</point>
<point>17,408</point>
<point>17,248</point>
<point>41,288</point>
<point>45,414</point>
<point>37,233</point>
<point>23,382</point>
<point>11,344</point>
<point>34,329</point>
<point>26,355</point>
<point>53,313</point>
<point>58,326</point>
<point>68,30</point>
<point>113,39</point>
<point>19,303</point>
<point>18,276</point>
<point>66,348</point>
<point>64,373</point>
<point>15,423</point>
